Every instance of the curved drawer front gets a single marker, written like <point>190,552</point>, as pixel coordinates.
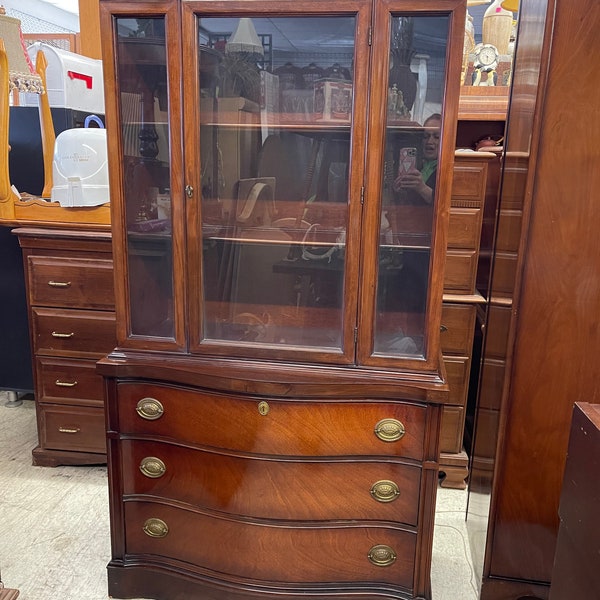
<point>82,333</point>
<point>261,552</point>
<point>71,282</point>
<point>268,488</point>
<point>297,428</point>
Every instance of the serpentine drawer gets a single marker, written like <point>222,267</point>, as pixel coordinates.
<point>266,426</point>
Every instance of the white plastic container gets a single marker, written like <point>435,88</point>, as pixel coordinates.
<point>80,168</point>
<point>72,80</point>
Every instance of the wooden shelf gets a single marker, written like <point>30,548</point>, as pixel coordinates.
<point>483,103</point>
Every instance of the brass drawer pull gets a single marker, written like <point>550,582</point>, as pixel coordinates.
<point>382,555</point>
<point>155,528</point>
<point>68,384</point>
<point>59,284</point>
<point>69,429</point>
<point>385,490</point>
<point>152,467</point>
<point>389,430</point>
<point>150,409</point>
<point>57,334</point>
<point>263,408</point>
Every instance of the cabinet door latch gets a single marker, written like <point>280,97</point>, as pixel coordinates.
<point>189,191</point>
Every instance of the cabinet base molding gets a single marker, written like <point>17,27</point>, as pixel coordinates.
<point>503,589</point>
<point>456,470</point>
<point>8,594</point>
<point>161,583</point>
<point>53,458</point>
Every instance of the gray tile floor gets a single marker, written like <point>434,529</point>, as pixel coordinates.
<point>54,532</point>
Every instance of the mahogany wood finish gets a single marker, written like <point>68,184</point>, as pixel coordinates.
<point>241,471</point>
<point>549,360</point>
<point>576,571</point>
<point>69,280</point>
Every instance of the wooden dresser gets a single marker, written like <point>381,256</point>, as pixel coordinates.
<point>70,298</point>
<point>474,184</point>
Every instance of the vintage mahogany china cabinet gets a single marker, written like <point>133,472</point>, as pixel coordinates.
<point>275,397</point>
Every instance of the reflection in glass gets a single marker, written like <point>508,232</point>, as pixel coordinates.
<point>412,147</point>
<point>142,77</point>
<point>275,145</point>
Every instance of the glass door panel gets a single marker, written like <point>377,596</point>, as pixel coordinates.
<point>276,96</point>
<point>415,90</point>
<point>142,78</point>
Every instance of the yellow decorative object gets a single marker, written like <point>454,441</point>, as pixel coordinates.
<point>512,5</point>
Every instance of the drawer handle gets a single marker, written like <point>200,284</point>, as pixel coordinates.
<point>156,528</point>
<point>68,384</point>
<point>152,467</point>
<point>57,334</point>
<point>59,284</point>
<point>389,430</point>
<point>385,490</point>
<point>69,429</point>
<point>150,409</point>
<point>382,555</point>
<point>443,328</point>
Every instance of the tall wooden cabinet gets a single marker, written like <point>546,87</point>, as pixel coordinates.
<point>542,339</point>
<point>275,397</point>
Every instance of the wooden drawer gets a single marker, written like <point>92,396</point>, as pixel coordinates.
<point>262,551</point>
<point>64,381</point>
<point>453,426</point>
<point>458,323</point>
<point>71,282</point>
<point>268,488</point>
<point>292,428</point>
<point>464,229</point>
<point>457,372</point>
<point>461,269</point>
<point>469,181</point>
<point>81,333</point>
<point>71,428</point>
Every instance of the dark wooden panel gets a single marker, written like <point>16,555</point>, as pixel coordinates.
<point>72,428</point>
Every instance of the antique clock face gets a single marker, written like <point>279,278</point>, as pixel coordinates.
<point>486,57</point>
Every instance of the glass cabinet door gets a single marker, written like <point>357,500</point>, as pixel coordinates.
<point>280,184</point>
<point>147,160</point>
<point>411,179</point>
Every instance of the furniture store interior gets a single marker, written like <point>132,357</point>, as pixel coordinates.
<point>299,300</point>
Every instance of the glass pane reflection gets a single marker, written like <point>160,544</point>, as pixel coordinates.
<point>142,77</point>
<point>414,107</point>
<point>275,144</point>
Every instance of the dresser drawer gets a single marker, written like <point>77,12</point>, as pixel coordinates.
<point>292,428</point>
<point>282,552</point>
<point>64,381</point>
<point>464,229</point>
<point>457,373</point>
<point>469,181</point>
<point>458,326</point>
<point>78,429</point>
<point>71,282</point>
<point>460,272</point>
<point>453,426</point>
<point>262,487</point>
<point>82,333</point>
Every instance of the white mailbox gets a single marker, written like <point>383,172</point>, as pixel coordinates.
<point>72,80</point>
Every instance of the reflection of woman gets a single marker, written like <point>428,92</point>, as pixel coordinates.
<point>419,186</point>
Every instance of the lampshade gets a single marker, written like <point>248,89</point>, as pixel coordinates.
<point>245,39</point>
<point>512,5</point>
<point>21,73</point>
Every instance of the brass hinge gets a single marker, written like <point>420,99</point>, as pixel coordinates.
<point>362,195</point>
<point>356,335</point>
<point>370,41</point>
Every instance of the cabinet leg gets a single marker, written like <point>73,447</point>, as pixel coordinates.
<point>455,468</point>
